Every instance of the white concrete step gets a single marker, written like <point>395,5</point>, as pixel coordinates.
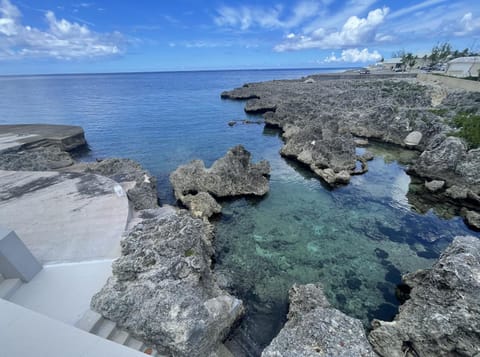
<point>89,321</point>
<point>8,287</point>
<point>119,336</point>
<point>134,343</point>
<point>94,323</point>
<point>104,329</point>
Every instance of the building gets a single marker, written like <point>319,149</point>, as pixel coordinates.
<point>464,67</point>
<point>391,64</point>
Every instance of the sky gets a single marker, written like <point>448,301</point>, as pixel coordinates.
<point>52,36</point>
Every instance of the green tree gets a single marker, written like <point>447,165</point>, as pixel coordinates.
<point>408,59</point>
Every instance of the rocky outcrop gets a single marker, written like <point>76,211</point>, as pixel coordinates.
<point>447,160</point>
<point>442,315</point>
<point>141,187</point>
<point>162,289</point>
<point>38,159</point>
<point>413,139</point>
<point>202,205</point>
<point>434,185</point>
<point>232,175</point>
<point>324,147</point>
<point>259,106</point>
<point>386,110</point>
<point>472,219</point>
<point>314,328</point>
<point>441,158</point>
<point>392,111</point>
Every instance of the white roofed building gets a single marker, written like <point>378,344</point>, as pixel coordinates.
<point>463,67</point>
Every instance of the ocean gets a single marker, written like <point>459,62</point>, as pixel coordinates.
<point>356,240</point>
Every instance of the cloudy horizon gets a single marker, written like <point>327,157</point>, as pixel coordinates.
<point>107,36</point>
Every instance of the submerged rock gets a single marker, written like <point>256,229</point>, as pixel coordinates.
<point>232,175</point>
<point>162,289</point>
<point>442,316</point>
<point>314,328</point>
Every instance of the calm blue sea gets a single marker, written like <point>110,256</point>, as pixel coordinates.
<point>356,240</point>
<point>159,119</point>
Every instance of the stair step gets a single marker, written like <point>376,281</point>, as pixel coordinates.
<point>119,336</point>
<point>134,343</point>
<point>223,351</point>
<point>104,329</point>
<point>8,288</point>
<point>89,321</point>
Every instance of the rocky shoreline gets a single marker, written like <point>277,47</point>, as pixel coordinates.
<point>323,122</point>
<point>163,289</point>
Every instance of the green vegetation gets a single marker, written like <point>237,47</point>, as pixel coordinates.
<point>468,124</point>
<point>440,53</point>
<point>189,253</point>
<point>439,112</point>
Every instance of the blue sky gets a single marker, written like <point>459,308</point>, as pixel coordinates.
<point>114,36</point>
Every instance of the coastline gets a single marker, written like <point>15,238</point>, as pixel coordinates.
<point>291,132</point>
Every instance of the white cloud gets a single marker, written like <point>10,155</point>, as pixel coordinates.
<point>62,39</point>
<point>468,24</point>
<point>246,17</point>
<point>355,32</point>
<point>414,8</point>
<point>354,55</point>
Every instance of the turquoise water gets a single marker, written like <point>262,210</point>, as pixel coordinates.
<point>356,240</point>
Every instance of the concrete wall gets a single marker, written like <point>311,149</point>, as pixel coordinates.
<point>450,82</point>
<point>350,75</point>
<point>16,261</point>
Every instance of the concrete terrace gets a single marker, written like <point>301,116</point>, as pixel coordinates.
<point>72,223</point>
<point>67,137</point>
<point>64,217</point>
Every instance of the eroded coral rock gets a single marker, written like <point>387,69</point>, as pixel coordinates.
<point>434,185</point>
<point>162,289</point>
<point>442,316</point>
<point>314,328</point>
<point>141,187</point>
<point>232,175</point>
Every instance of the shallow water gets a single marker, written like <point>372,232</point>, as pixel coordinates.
<point>356,240</point>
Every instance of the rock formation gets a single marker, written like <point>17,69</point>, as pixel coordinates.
<point>232,175</point>
<point>328,151</point>
<point>38,159</point>
<point>141,187</point>
<point>442,315</point>
<point>400,112</point>
<point>314,328</point>
<point>162,289</point>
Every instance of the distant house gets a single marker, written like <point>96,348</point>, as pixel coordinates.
<point>391,64</point>
<point>463,67</point>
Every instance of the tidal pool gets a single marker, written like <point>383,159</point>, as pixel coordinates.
<point>356,240</point>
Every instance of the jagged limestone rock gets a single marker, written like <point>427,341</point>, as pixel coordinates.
<point>314,328</point>
<point>442,315</point>
<point>162,289</point>
<point>39,159</point>
<point>232,175</point>
<point>142,190</point>
<point>434,185</point>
